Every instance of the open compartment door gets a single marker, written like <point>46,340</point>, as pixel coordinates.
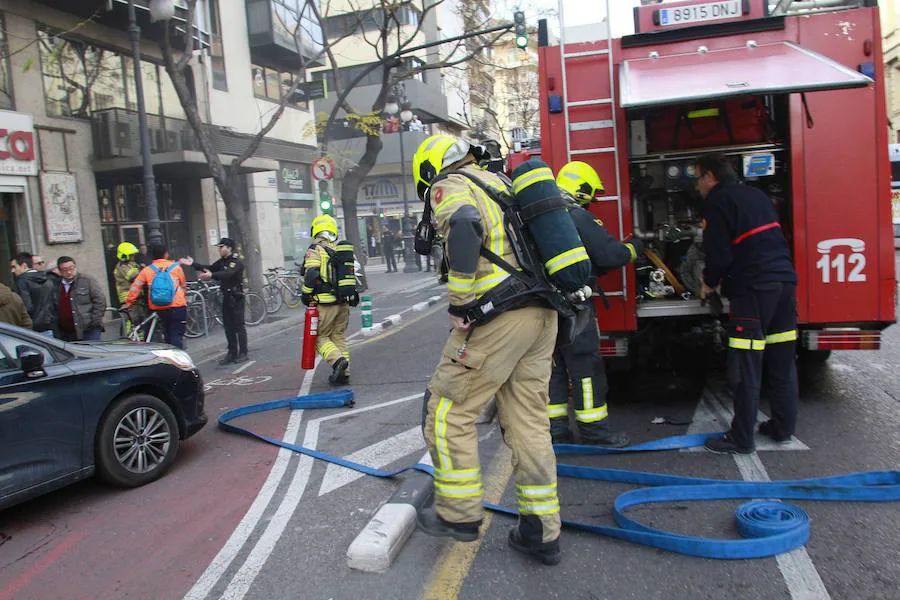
<point>774,68</point>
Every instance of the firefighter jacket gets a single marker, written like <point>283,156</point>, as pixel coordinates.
<point>146,277</point>
<point>605,251</point>
<point>315,273</point>
<point>124,273</point>
<point>742,240</point>
<point>229,272</point>
<point>467,219</point>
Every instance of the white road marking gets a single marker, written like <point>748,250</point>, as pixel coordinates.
<point>248,524</point>
<point>239,381</point>
<point>243,579</point>
<point>800,575</point>
<point>244,366</point>
<point>377,455</point>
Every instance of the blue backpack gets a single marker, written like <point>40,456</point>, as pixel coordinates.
<point>162,288</point>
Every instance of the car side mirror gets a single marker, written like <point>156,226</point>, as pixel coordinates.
<point>31,361</point>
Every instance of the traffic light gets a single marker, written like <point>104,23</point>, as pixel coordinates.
<point>520,30</point>
<point>326,202</point>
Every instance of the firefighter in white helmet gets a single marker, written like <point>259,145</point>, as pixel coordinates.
<point>579,363</point>
<point>507,356</point>
<point>334,314</point>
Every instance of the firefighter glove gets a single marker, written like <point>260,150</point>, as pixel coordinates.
<point>635,247</point>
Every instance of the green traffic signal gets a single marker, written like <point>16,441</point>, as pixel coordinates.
<point>520,30</point>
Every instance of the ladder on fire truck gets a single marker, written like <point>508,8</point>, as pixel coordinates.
<point>577,126</point>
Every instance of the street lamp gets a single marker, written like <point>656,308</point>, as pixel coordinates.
<point>160,9</point>
<point>396,103</point>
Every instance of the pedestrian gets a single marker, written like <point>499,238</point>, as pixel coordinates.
<point>748,256</point>
<point>38,262</point>
<point>387,246</point>
<point>80,303</point>
<point>507,356</point>
<point>578,364</point>
<point>12,309</point>
<point>228,271</point>
<point>334,313</point>
<point>124,274</point>
<point>38,293</point>
<point>165,282</point>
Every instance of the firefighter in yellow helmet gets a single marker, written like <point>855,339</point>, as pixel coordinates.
<point>334,313</point>
<point>579,363</point>
<point>507,356</point>
<point>124,274</point>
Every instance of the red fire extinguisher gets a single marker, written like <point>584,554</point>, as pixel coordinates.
<point>310,332</point>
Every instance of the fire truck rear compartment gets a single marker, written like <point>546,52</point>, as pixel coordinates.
<point>668,212</point>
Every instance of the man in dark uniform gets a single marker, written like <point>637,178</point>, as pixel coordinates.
<point>747,255</point>
<point>579,362</point>
<point>228,271</point>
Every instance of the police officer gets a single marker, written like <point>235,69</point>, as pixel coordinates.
<point>507,356</point>
<point>334,314</point>
<point>579,363</point>
<point>747,255</point>
<point>228,271</point>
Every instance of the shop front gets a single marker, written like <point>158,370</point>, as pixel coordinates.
<point>296,205</point>
<point>18,165</point>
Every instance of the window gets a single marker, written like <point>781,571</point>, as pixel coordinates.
<point>272,85</point>
<point>10,343</point>
<point>216,50</point>
<point>6,94</point>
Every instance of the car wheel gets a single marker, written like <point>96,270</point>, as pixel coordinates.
<point>137,441</point>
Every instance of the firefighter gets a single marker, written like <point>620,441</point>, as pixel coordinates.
<point>124,274</point>
<point>579,363</point>
<point>508,356</point>
<point>747,255</point>
<point>334,315</point>
<point>228,271</point>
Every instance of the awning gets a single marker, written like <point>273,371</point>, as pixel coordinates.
<point>776,68</point>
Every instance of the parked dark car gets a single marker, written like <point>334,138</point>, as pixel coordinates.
<point>69,410</point>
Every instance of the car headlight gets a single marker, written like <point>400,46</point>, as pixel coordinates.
<point>179,358</point>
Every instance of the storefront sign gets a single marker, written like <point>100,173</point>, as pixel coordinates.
<point>293,178</point>
<point>62,217</point>
<point>17,153</point>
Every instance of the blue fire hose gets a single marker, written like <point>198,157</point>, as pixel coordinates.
<point>768,527</point>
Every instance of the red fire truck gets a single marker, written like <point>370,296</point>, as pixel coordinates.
<point>795,96</point>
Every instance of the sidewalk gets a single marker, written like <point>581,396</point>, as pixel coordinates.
<point>381,284</point>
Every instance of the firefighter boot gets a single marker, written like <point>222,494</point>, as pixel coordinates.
<point>432,524</point>
<point>339,369</point>
<point>526,538</point>
<point>600,435</point>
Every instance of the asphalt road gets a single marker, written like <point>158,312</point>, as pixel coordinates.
<point>235,519</point>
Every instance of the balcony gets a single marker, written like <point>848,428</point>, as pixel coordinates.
<point>175,149</point>
<point>114,14</point>
<point>281,37</point>
<point>427,100</point>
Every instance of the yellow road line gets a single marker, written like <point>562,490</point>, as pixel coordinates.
<point>455,561</point>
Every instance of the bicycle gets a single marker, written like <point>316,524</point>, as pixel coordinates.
<point>148,330</point>
<point>254,305</point>
<point>196,323</point>
<point>282,286</point>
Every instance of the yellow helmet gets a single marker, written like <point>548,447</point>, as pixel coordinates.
<point>324,223</point>
<point>125,250</point>
<point>434,154</point>
<point>579,179</point>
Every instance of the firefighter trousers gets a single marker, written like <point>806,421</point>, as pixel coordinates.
<point>762,332</point>
<point>331,341</point>
<point>508,357</point>
<point>579,364</point>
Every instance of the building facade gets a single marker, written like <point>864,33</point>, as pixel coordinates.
<point>77,188</point>
<point>890,34</point>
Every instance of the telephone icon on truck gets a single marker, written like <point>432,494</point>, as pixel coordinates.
<point>835,260</point>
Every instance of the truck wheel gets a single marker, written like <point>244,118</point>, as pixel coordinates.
<point>136,441</point>
<point>813,357</point>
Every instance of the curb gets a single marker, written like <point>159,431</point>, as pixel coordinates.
<point>381,540</point>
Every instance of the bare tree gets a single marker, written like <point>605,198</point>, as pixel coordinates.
<point>390,41</point>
